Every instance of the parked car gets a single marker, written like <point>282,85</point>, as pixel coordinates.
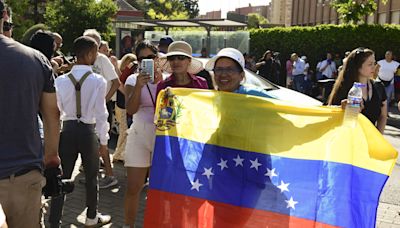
<point>274,90</point>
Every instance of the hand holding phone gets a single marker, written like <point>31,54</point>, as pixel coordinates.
<point>147,67</point>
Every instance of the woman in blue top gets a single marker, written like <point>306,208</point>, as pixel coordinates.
<point>228,67</point>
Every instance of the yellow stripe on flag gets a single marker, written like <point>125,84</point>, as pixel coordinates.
<point>274,127</point>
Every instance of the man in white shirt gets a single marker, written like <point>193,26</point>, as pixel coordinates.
<point>328,67</point>
<point>80,99</point>
<point>104,67</point>
<point>298,73</point>
<point>386,69</point>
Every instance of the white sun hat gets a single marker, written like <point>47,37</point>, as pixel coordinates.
<point>181,48</point>
<point>231,53</point>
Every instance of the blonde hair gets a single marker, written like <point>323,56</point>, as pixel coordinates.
<point>128,58</point>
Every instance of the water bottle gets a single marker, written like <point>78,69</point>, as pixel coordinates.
<point>354,99</point>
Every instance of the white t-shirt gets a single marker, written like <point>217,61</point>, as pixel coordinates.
<point>387,69</point>
<point>146,108</point>
<point>104,67</point>
<point>330,68</point>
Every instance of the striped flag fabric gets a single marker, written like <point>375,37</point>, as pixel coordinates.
<point>232,160</point>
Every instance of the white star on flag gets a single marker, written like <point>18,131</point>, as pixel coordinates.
<point>223,164</point>
<point>208,172</point>
<point>255,164</point>
<point>238,160</point>
<point>283,187</point>
<point>196,185</point>
<point>271,173</point>
<point>291,203</point>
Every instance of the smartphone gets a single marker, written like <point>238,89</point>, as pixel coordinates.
<point>147,67</point>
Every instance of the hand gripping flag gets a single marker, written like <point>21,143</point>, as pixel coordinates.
<point>231,160</point>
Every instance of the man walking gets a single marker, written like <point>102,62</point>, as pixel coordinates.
<point>386,69</point>
<point>24,91</point>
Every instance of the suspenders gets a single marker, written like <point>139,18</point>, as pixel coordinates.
<point>78,86</point>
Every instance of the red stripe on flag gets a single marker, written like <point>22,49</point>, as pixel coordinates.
<point>173,210</point>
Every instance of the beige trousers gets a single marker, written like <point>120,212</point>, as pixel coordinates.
<point>20,198</point>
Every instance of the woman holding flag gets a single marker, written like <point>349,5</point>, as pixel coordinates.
<point>359,66</point>
<point>228,67</point>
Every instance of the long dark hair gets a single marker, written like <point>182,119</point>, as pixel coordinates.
<point>349,74</point>
<point>145,44</point>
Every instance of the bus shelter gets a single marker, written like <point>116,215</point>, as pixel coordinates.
<point>144,24</point>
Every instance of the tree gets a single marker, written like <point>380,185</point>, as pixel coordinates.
<point>352,12</point>
<point>192,7</point>
<point>71,17</point>
<point>254,20</point>
<point>165,10</point>
<point>22,15</point>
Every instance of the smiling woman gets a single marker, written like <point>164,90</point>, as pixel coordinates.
<point>179,62</point>
<point>228,68</point>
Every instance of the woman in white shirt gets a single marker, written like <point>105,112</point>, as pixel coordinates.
<point>140,102</point>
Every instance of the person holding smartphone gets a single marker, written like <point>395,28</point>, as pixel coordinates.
<point>140,92</point>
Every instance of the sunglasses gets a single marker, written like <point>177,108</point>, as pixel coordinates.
<point>147,57</point>
<point>178,57</point>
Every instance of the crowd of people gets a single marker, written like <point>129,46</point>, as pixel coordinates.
<point>82,94</point>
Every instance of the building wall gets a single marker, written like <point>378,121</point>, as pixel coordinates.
<point>211,15</point>
<point>313,12</point>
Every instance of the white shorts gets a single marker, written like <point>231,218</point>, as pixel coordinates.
<point>140,144</point>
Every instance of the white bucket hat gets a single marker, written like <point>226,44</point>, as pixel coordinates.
<point>181,48</point>
<point>231,53</point>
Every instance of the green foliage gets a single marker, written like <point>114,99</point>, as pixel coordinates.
<point>254,20</point>
<point>353,11</point>
<point>166,9</point>
<point>315,42</point>
<point>30,31</point>
<point>192,7</point>
<point>21,17</point>
<point>71,17</point>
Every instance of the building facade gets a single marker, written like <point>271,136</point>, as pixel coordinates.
<point>211,15</point>
<point>314,12</point>
<point>262,10</point>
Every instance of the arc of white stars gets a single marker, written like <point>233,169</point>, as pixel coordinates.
<point>208,173</point>
<point>223,164</point>
<point>291,203</point>
<point>238,161</point>
<point>196,185</point>
<point>283,186</point>
<point>271,173</point>
<point>255,164</point>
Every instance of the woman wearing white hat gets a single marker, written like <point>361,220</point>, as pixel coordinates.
<point>228,67</point>
<point>179,62</point>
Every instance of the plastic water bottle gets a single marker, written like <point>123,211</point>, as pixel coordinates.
<point>354,99</point>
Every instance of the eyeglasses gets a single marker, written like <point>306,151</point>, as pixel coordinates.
<point>147,57</point>
<point>178,57</point>
<point>227,70</point>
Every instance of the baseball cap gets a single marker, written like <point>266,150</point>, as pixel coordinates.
<point>231,53</point>
<point>166,40</point>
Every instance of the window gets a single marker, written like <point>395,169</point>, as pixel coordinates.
<point>382,18</point>
<point>395,17</point>
<point>371,19</point>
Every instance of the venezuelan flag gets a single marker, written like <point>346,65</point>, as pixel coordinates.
<point>231,160</point>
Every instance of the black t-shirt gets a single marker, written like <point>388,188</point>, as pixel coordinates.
<point>25,74</point>
<point>372,107</point>
<point>266,70</point>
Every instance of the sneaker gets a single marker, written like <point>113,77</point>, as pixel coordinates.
<point>81,169</point>
<point>99,221</point>
<point>107,182</point>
